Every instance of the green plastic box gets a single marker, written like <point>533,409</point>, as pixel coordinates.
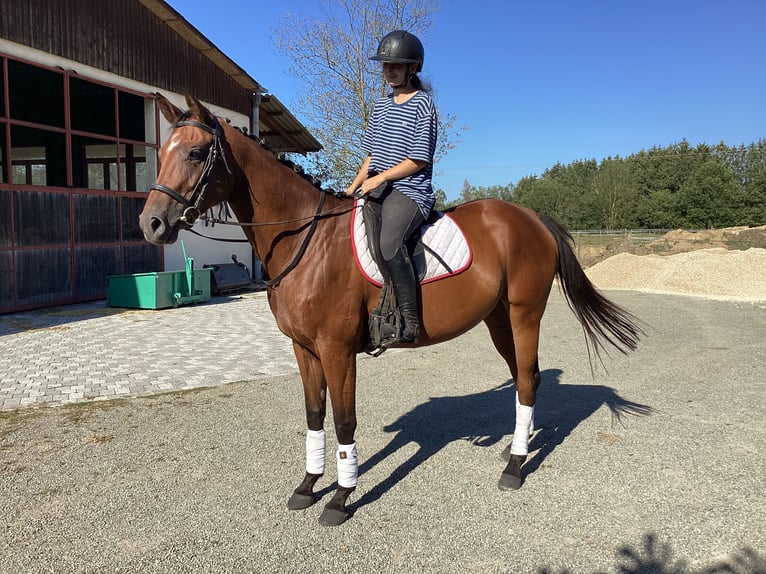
<point>159,290</point>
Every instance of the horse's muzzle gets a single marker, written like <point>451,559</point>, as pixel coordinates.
<point>157,230</point>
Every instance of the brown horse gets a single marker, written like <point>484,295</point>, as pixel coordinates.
<point>322,301</point>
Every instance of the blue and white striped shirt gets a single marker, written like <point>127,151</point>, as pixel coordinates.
<point>405,131</point>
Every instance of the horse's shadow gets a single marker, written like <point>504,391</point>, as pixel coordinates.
<point>485,418</point>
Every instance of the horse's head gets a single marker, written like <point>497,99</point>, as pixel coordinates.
<point>194,173</point>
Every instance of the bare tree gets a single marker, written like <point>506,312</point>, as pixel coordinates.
<point>331,56</point>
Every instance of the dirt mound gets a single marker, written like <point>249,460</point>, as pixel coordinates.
<point>716,273</point>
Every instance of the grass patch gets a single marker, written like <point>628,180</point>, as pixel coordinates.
<point>10,421</point>
<point>77,413</point>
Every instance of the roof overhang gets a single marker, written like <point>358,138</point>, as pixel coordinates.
<point>278,127</point>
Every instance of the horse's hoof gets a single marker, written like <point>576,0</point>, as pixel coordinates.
<point>333,517</point>
<point>509,482</point>
<point>300,501</point>
<point>512,477</point>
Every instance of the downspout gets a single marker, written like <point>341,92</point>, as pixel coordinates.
<point>256,272</point>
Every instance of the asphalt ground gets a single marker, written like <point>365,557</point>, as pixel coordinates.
<point>652,463</point>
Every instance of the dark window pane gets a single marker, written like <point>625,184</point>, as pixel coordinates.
<point>96,219</point>
<point>93,265</point>
<point>3,166</point>
<point>38,157</point>
<point>5,218</point>
<point>92,107</point>
<point>6,279</point>
<point>43,275</point>
<point>131,209</point>
<point>145,258</point>
<point>2,89</point>
<point>132,121</point>
<point>36,95</point>
<point>40,218</point>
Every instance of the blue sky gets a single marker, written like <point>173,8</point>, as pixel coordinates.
<point>547,81</point>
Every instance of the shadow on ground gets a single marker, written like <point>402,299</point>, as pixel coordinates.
<point>485,418</point>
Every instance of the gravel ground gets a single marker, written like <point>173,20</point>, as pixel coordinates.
<point>654,466</point>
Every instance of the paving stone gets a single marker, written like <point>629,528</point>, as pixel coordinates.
<point>90,351</point>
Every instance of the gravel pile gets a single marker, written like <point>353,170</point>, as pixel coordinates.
<point>710,273</point>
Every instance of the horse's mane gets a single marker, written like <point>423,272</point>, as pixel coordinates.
<point>282,158</point>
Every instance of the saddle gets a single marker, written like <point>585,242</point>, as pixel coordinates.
<point>438,251</point>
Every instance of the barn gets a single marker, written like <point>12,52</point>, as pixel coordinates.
<point>80,132</point>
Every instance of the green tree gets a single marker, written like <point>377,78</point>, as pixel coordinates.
<point>614,199</point>
<point>710,197</point>
<point>471,193</point>
<point>441,199</point>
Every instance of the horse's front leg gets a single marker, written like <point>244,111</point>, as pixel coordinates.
<point>340,371</point>
<point>315,395</point>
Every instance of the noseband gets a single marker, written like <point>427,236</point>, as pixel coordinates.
<point>192,205</point>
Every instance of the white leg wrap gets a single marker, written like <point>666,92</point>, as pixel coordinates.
<point>348,465</point>
<point>531,420</point>
<point>316,442</point>
<point>520,442</point>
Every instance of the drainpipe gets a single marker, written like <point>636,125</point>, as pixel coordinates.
<point>256,273</point>
<point>255,129</point>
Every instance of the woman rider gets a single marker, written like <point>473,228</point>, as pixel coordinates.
<point>395,177</point>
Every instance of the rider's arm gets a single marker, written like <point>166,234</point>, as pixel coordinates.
<point>400,170</point>
<point>360,177</point>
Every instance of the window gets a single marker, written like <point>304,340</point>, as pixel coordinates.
<point>76,158</point>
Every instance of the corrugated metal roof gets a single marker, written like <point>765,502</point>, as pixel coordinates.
<point>278,127</point>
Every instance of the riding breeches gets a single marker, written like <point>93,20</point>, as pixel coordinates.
<point>395,217</point>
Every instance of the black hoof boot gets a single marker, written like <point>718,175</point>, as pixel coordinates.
<point>335,513</point>
<point>304,496</point>
<point>512,478</point>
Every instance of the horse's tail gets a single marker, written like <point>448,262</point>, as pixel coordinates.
<point>601,320</point>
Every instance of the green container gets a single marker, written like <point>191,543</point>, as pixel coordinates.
<point>159,290</point>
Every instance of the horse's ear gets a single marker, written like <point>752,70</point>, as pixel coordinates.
<point>168,110</point>
<point>198,110</point>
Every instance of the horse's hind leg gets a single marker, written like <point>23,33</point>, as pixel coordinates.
<point>315,393</point>
<point>499,324</point>
<point>515,331</point>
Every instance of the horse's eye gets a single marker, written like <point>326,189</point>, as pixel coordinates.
<point>196,155</point>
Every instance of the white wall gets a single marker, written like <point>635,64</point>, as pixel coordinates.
<point>203,251</point>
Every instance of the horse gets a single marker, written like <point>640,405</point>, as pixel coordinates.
<point>322,302</point>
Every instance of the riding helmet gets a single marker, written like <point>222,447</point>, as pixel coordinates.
<point>402,47</point>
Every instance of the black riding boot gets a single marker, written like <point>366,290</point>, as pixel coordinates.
<point>406,291</point>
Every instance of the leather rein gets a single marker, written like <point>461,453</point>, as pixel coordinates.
<point>192,205</point>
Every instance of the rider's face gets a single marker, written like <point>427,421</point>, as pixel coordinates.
<point>395,73</point>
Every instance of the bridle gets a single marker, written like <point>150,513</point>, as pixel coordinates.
<point>192,205</point>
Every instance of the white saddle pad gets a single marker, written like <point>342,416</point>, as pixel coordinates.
<point>447,251</point>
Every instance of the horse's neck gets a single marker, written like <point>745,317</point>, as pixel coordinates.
<point>268,195</point>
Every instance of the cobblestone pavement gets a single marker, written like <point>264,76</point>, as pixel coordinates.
<point>91,351</point>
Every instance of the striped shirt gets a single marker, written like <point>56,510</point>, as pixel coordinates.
<point>405,131</point>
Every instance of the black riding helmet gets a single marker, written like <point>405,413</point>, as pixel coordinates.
<point>401,47</point>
